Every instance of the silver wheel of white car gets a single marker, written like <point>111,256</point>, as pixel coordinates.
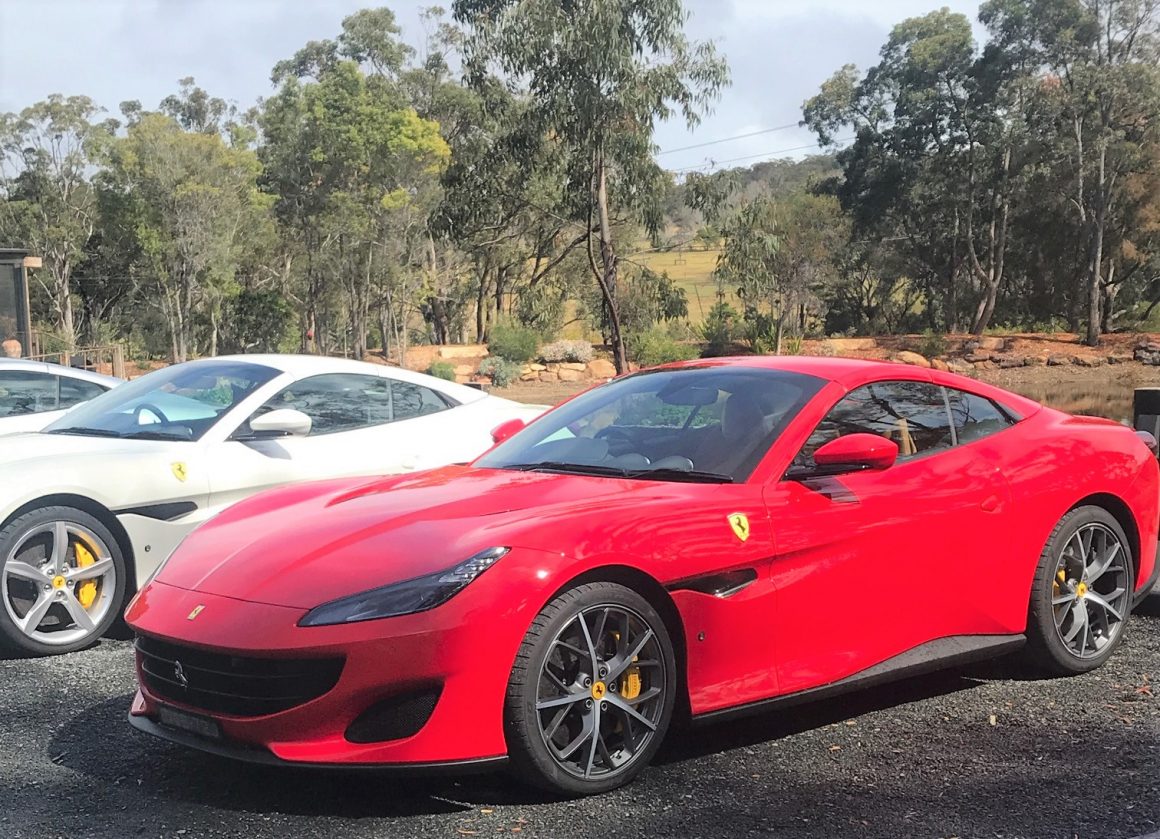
<point>62,581</point>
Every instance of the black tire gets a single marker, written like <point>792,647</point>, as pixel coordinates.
<point>16,593</point>
<point>532,760</point>
<point>1047,650</point>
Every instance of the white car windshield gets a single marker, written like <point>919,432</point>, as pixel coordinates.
<point>177,403</point>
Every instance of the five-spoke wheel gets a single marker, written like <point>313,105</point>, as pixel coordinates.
<point>592,691</point>
<point>1082,594</point>
<point>62,581</point>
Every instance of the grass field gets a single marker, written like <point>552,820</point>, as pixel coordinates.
<point>691,270</point>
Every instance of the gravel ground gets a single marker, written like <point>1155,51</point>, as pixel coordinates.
<point>967,753</point>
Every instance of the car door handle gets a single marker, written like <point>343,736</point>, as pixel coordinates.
<point>991,504</point>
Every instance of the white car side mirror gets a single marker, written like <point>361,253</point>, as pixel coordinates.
<point>282,422</point>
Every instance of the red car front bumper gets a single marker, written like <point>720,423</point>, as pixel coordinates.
<point>234,650</point>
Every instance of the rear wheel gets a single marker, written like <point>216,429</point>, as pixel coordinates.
<point>1082,595</point>
<point>591,693</point>
<point>62,581</point>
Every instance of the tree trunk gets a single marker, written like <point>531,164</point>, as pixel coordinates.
<point>608,262</point>
<point>1097,257</point>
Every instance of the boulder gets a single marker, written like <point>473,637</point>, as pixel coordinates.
<point>1006,362</point>
<point>539,368</point>
<point>549,376</point>
<point>986,365</point>
<point>530,376</point>
<point>960,367</point>
<point>1058,360</point>
<point>939,364</point>
<point>601,368</point>
<point>977,357</point>
<point>10,349</point>
<point>578,366</point>
<point>991,342</point>
<point>1089,361</point>
<point>567,374</point>
<point>908,357</point>
<point>463,351</point>
<point>845,345</point>
<point>1036,360</point>
<point>1119,358</point>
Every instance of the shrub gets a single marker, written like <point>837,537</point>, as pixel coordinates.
<point>441,370</point>
<point>719,330</point>
<point>513,342</point>
<point>648,349</point>
<point>502,371</point>
<point>574,351</point>
<point>933,345</point>
<point>791,345</point>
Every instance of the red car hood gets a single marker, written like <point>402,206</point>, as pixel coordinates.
<point>305,545</point>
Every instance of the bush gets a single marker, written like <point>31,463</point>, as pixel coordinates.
<point>501,371</point>
<point>513,342</point>
<point>719,330</point>
<point>648,349</point>
<point>441,370</point>
<point>791,345</point>
<point>574,351</point>
<point>934,344</point>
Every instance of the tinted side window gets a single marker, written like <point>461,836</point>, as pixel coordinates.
<point>411,400</point>
<point>26,393</point>
<point>75,391</point>
<point>337,401</point>
<point>912,414</point>
<point>975,416</point>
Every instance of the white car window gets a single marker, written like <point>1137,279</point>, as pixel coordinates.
<point>336,401</point>
<point>75,391</point>
<point>24,392</point>
<point>410,400</point>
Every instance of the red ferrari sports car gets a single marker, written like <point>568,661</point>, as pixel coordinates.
<point>715,537</point>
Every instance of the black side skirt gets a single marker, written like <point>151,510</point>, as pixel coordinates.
<point>925,658</point>
<point>252,754</point>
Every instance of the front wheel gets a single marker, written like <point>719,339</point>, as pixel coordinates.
<point>62,581</point>
<point>591,693</point>
<point>1082,594</point>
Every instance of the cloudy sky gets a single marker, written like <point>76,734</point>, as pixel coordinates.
<point>779,51</point>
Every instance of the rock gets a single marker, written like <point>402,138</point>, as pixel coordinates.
<point>991,342</point>
<point>567,374</point>
<point>1089,361</point>
<point>601,368</point>
<point>1145,356</point>
<point>1006,362</point>
<point>10,349</point>
<point>1036,360</point>
<point>1119,358</point>
<point>908,357</point>
<point>549,376</point>
<point>539,368</point>
<point>1058,360</point>
<point>977,357</point>
<point>530,376</point>
<point>552,366</point>
<point>845,345</point>
<point>961,367</point>
<point>939,364</point>
<point>463,351</point>
<point>574,365</point>
<point>986,365</point>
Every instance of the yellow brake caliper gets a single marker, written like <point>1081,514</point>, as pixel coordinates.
<point>630,681</point>
<point>86,592</point>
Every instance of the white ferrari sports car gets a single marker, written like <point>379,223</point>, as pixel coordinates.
<point>33,393</point>
<point>93,504</point>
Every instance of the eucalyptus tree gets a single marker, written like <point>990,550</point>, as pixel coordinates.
<point>48,153</point>
<point>600,74</point>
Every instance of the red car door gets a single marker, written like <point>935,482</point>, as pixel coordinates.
<point>872,564</point>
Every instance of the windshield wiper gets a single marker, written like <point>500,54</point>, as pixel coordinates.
<point>87,432</point>
<point>691,476</point>
<point>577,468</point>
<point>156,435</point>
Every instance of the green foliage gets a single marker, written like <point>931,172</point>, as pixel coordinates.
<point>719,331</point>
<point>792,345</point>
<point>513,342</point>
<point>502,371</point>
<point>442,370</point>
<point>256,320</point>
<point>933,344</point>
<point>573,351</point>
<point>654,346</point>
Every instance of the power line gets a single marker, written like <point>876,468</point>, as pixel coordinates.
<point>730,139</point>
<point>767,154</point>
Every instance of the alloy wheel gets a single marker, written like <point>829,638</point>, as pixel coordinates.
<point>601,692</point>
<point>1090,591</point>
<point>58,583</point>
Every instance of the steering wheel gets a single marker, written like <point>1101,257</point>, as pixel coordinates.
<point>619,441</point>
<point>153,409</point>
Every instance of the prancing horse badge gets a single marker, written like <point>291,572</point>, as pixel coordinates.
<point>740,524</point>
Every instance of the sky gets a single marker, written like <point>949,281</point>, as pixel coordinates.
<point>779,52</point>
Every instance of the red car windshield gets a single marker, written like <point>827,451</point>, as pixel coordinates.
<point>711,424</point>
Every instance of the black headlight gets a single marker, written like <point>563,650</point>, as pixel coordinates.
<point>405,598</point>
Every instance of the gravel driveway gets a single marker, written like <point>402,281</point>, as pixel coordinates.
<point>966,753</point>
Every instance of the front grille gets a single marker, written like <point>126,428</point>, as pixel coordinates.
<point>229,684</point>
<point>394,718</point>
